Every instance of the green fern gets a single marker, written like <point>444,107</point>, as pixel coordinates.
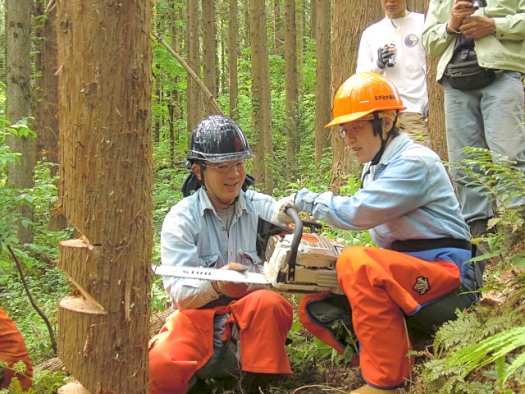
<point>492,350</point>
<point>504,184</point>
<point>514,366</point>
<point>473,328</point>
<point>473,354</point>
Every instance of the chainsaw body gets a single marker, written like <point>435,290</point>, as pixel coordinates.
<point>294,261</point>
<point>297,261</point>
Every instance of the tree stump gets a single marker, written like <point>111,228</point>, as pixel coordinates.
<point>73,387</point>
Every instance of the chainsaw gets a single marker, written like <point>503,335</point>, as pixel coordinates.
<point>294,261</point>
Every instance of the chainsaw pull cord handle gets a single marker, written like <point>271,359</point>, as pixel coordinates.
<point>297,235</point>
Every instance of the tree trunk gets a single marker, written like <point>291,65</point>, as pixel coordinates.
<point>222,42</point>
<point>233,37</point>
<point>45,102</point>
<point>18,106</point>
<point>300,33</point>
<point>209,44</point>
<point>171,100</point>
<point>417,5</point>
<point>346,37</point>
<point>278,34</point>
<point>194,97</point>
<point>261,103</point>
<point>313,17</point>
<point>104,54</point>
<point>436,110</point>
<point>291,88</point>
<point>322,53</point>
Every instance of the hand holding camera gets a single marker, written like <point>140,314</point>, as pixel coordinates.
<point>386,56</point>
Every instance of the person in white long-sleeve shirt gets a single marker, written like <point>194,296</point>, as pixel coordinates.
<point>392,47</point>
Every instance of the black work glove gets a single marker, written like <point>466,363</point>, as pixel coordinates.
<point>383,54</point>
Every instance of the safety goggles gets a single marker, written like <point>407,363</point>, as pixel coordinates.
<point>353,127</point>
<point>223,168</point>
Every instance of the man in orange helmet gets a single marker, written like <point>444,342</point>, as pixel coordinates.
<point>418,275</point>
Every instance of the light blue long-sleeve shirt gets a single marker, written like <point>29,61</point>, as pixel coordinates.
<point>194,236</point>
<point>407,195</point>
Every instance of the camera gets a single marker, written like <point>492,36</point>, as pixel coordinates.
<point>476,4</point>
<point>392,59</point>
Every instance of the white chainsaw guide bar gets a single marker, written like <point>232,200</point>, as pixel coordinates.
<point>223,275</point>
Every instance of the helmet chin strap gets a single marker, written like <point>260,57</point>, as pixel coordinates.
<point>377,125</point>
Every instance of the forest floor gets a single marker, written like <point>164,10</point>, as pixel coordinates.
<point>312,377</point>
<point>321,371</point>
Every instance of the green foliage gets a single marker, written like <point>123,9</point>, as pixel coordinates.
<point>45,282</point>
<point>305,348</point>
<point>9,214</point>
<point>504,183</point>
<point>352,348</point>
<point>48,381</point>
<point>318,182</point>
<point>492,350</point>
<point>482,351</point>
<point>44,382</point>
<point>47,285</point>
<point>167,192</point>
<point>473,341</point>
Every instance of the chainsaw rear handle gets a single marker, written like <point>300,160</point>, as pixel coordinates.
<point>297,235</point>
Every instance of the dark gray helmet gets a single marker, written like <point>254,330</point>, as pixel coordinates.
<point>217,138</point>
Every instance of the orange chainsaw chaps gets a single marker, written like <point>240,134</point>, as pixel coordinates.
<point>185,342</point>
<point>12,350</point>
<point>380,285</point>
<point>264,318</point>
<point>183,345</point>
<point>318,330</point>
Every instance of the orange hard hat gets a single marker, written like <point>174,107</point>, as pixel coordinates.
<point>361,95</point>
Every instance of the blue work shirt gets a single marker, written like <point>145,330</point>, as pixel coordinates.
<point>407,195</point>
<point>193,235</point>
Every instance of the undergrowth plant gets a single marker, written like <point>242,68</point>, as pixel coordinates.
<point>504,184</point>
<point>45,282</point>
<point>483,350</point>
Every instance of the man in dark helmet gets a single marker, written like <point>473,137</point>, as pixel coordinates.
<point>218,141</point>
<point>218,328</point>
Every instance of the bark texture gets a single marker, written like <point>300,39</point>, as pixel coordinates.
<point>104,55</point>
<point>18,89</point>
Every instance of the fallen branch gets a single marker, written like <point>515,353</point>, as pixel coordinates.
<point>33,303</point>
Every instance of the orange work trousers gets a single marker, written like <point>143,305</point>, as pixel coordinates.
<point>12,350</point>
<point>382,286</point>
<point>185,343</point>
